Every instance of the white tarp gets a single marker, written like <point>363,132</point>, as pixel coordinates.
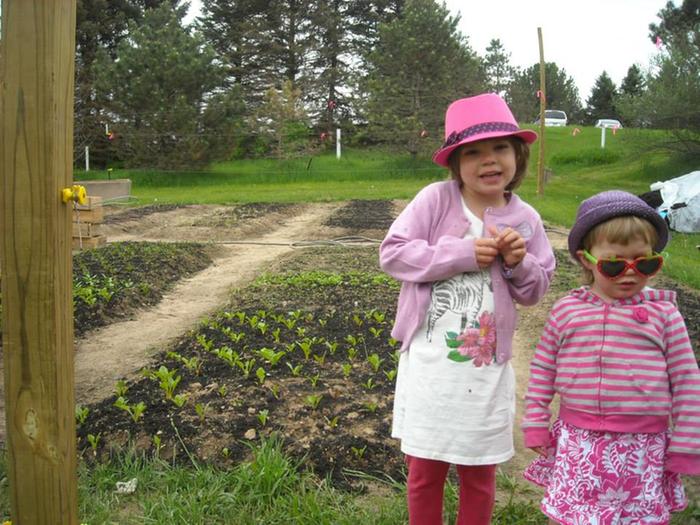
<point>681,201</point>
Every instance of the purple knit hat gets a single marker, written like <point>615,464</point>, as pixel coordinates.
<point>610,204</point>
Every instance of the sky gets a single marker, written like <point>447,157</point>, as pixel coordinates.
<point>584,37</point>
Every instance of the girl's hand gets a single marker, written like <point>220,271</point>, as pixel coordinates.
<point>510,244</point>
<point>486,251</point>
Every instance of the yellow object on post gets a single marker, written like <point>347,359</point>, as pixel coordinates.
<point>75,193</point>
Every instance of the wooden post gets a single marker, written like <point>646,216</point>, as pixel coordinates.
<point>543,106</point>
<point>36,110</point>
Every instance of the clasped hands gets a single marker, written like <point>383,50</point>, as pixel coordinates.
<point>507,243</point>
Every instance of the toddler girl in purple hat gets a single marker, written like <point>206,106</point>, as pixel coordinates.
<point>466,250</point>
<point>618,355</point>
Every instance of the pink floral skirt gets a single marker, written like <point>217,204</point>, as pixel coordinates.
<point>606,478</point>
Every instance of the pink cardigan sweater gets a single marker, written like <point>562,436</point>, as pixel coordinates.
<point>625,366</point>
<point>426,243</point>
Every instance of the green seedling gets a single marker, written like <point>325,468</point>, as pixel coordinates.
<point>357,320</point>
<point>305,346</point>
<point>314,379</point>
<point>359,452</point>
<point>347,368</point>
<point>393,342</point>
<point>179,400</point>
<point>390,374</point>
<point>167,380</point>
<point>235,337</point>
<point>262,327</point>
<point>371,406</point>
<point>351,340</point>
<point>261,375</point>
<point>270,356</point>
<point>332,347</point>
<point>201,410</point>
<point>253,321</point>
<point>376,332</point>
<point>352,353</point>
<point>94,441</point>
<point>332,422</point>
<point>289,323</point>
<point>120,388</point>
<point>301,331</point>
<point>275,389</point>
<point>246,366</point>
<point>296,370</point>
<point>157,444</point>
<point>240,316</point>
<point>276,335</point>
<point>223,389</point>
<point>375,361</point>
<point>378,317</point>
<point>81,414</point>
<point>369,384</point>
<point>225,452</point>
<point>135,411</point>
<point>313,400</point>
<point>229,355</point>
<point>205,343</point>
<point>322,322</point>
<point>263,416</point>
<point>320,359</point>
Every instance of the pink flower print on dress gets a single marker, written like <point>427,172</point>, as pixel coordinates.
<point>477,343</point>
<point>482,355</point>
<point>469,339</point>
<point>487,329</point>
<point>640,314</point>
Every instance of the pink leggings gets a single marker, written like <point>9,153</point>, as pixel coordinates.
<point>426,483</point>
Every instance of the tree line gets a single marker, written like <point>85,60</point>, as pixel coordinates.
<point>276,78</point>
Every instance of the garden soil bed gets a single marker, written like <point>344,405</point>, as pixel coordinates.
<point>333,419</point>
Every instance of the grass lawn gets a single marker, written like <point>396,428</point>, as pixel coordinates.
<point>579,168</point>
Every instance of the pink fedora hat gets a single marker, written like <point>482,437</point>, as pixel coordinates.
<point>481,117</point>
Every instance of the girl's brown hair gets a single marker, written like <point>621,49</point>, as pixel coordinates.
<point>618,230</point>
<point>522,156</point>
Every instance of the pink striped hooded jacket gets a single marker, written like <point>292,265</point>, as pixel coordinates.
<point>625,366</point>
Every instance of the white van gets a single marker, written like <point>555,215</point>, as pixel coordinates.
<point>555,117</point>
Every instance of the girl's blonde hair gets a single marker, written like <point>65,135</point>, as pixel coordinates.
<point>618,230</point>
<point>522,156</point>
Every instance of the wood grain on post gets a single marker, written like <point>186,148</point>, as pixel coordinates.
<point>38,49</point>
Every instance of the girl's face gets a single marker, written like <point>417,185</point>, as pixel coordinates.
<point>486,167</point>
<point>630,282</point>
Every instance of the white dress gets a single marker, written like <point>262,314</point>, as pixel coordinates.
<point>453,402</point>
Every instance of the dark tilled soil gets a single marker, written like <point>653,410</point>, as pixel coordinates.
<point>364,215</point>
<point>134,214</point>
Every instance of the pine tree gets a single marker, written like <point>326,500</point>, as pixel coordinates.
<point>498,69</point>
<point>601,103</point>
<point>633,83</point>
<point>420,65</point>
<point>155,91</point>
<point>560,91</point>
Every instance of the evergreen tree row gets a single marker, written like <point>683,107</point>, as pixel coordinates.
<point>276,78</point>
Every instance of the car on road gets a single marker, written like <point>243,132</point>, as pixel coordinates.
<point>554,117</point>
<point>608,123</point>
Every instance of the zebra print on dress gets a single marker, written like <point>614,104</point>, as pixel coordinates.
<point>462,294</point>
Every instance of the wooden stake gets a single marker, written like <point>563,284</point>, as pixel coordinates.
<point>543,106</point>
<point>36,110</point>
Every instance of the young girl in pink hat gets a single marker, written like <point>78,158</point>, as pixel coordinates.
<point>618,355</point>
<point>466,250</point>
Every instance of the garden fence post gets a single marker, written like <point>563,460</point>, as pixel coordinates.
<point>87,158</point>
<point>602,137</point>
<point>38,50</point>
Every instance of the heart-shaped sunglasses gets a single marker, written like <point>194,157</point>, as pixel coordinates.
<point>614,268</point>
